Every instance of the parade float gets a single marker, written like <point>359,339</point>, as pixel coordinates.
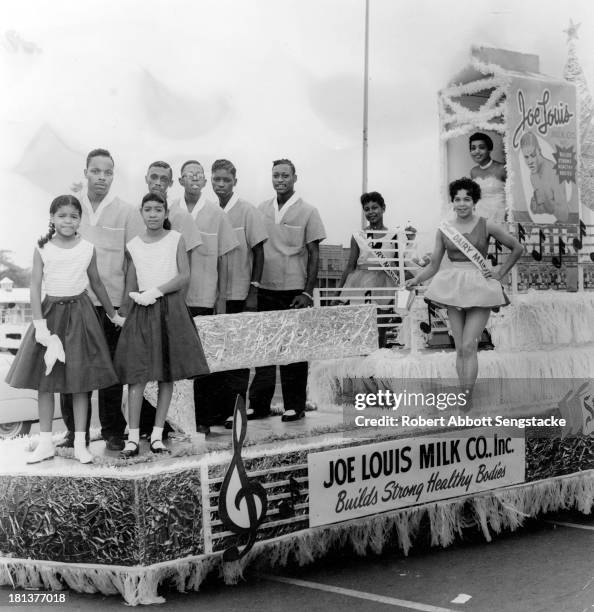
<point>405,458</point>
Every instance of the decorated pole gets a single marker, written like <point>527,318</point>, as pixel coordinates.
<point>365,105</point>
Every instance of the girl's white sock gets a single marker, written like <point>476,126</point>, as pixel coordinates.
<point>134,435</point>
<point>80,447</point>
<point>45,439</point>
<point>157,434</point>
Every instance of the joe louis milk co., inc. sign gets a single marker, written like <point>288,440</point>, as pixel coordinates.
<point>359,481</point>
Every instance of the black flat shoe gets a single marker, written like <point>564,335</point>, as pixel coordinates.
<point>67,442</point>
<point>292,415</point>
<point>115,443</point>
<point>127,453</point>
<point>252,415</point>
<point>155,448</point>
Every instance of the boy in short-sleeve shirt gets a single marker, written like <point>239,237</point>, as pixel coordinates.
<point>291,256</point>
<point>207,268</point>
<point>244,272</point>
<point>108,223</point>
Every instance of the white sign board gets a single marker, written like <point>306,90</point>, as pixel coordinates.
<point>347,483</point>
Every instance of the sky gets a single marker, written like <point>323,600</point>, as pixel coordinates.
<point>250,82</point>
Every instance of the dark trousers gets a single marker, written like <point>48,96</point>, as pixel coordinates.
<point>215,394</point>
<point>205,387</point>
<point>111,417</point>
<point>293,376</point>
<point>231,383</point>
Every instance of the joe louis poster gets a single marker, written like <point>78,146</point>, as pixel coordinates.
<point>542,151</point>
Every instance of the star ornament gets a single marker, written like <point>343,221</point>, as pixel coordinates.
<point>572,30</point>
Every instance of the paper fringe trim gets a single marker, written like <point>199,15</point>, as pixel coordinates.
<point>492,511</point>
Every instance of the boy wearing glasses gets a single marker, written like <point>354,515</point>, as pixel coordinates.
<point>208,272</point>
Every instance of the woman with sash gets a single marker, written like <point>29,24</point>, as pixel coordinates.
<point>467,287</point>
<point>371,264</point>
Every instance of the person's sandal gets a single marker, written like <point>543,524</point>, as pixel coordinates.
<point>130,450</point>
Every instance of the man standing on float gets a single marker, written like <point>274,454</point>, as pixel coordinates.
<point>244,272</point>
<point>208,274</point>
<point>291,256</point>
<point>108,223</point>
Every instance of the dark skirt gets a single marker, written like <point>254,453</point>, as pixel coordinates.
<point>88,364</point>
<point>159,342</point>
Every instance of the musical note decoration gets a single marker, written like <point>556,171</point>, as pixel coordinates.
<point>242,501</point>
<point>435,318</point>
<point>426,326</point>
<point>494,257</point>
<point>577,241</point>
<point>286,508</point>
<point>557,261</point>
<point>577,408</point>
<point>521,233</point>
<point>537,253</point>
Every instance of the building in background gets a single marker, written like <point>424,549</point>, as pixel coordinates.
<point>333,261</point>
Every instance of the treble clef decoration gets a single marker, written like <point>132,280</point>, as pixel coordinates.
<point>242,502</point>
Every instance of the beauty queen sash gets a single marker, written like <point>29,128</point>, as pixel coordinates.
<point>465,246</point>
<point>381,257</point>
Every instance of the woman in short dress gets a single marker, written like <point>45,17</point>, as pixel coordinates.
<point>468,294</point>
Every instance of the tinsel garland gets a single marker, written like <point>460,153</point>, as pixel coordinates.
<point>102,520</point>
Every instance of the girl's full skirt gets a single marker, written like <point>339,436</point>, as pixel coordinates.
<point>463,286</point>
<point>88,365</point>
<point>375,286</point>
<point>160,342</point>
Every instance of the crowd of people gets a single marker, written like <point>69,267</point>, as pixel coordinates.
<point>123,282</point>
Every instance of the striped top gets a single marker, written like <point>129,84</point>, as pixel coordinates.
<point>155,262</point>
<point>65,270</point>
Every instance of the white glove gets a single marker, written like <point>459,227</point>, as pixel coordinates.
<point>135,295</point>
<point>150,296</point>
<point>53,353</point>
<point>42,333</point>
<point>146,298</point>
<point>117,319</point>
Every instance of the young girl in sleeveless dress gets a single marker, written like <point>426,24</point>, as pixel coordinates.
<point>159,340</point>
<point>468,294</point>
<point>64,350</point>
<point>364,270</point>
